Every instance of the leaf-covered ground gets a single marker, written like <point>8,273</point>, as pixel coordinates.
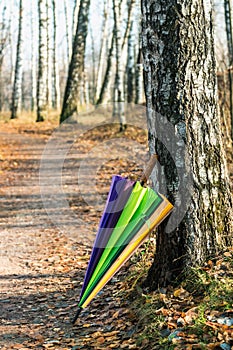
<point>44,253</point>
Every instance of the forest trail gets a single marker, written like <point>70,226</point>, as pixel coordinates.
<point>45,244</point>
<point>41,268</point>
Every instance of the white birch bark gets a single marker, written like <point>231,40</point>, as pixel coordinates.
<point>49,54</point>
<point>121,58</point>
<point>76,67</point>
<point>33,60</point>
<point>140,94</point>
<point>181,93</point>
<point>103,47</point>
<point>68,35</point>
<point>56,78</point>
<point>17,88</point>
<point>93,64</point>
<point>75,18</point>
<point>3,45</point>
<point>10,42</point>
<point>105,92</point>
<point>130,68</point>
<point>43,63</point>
<point>118,95</point>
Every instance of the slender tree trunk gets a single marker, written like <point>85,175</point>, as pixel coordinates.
<point>49,54</point>
<point>43,63</point>
<point>118,97</point>
<point>56,79</point>
<point>68,38</point>
<point>93,67</point>
<point>121,58</point>
<point>102,54</point>
<point>3,44</point>
<point>76,67</point>
<point>17,88</point>
<point>75,18</point>
<point>104,93</point>
<point>139,84</point>
<point>10,42</point>
<point>33,61</point>
<point>184,130</point>
<point>130,68</point>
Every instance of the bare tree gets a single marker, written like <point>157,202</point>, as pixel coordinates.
<point>68,35</point>
<point>121,58</point>
<point>50,30</point>
<point>76,67</point>
<point>33,60</point>
<point>103,47</point>
<point>4,37</point>
<point>43,62</point>
<point>180,81</point>
<point>75,18</point>
<point>17,88</point>
<point>105,88</point>
<point>139,85</point>
<point>56,79</point>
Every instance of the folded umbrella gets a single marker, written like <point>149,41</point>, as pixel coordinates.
<point>131,213</point>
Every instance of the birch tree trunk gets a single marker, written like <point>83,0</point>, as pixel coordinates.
<point>10,41</point>
<point>43,63</point>
<point>139,84</point>
<point>180,83</point>
<point>68,38</point>
<point>121,58</point>
<point>104,92</point>
<point>103,47</point>
<point>17,88</point>
<point>75,18</point>
<point>56,79</point>
<point>118,95</point>
<point>93,64</point>
<point>130,69</point>
<point>49,54</point>
<point>76,67</point>
<point>4,35</point>
<point>33,61</point>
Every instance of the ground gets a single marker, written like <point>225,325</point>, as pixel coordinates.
<point>45,245</point>
<point>42,263</point>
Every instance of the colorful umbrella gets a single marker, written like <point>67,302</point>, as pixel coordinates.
<point>131,213</point>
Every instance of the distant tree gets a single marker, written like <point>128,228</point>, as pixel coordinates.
<point>17,88</point>
<point>105,88</point>
<point>76,67</point>
<point>75,18</point>
<point>103,47</point>
<point>56,78</point>
<point>68,34</point>
<point>121,58</point>
<point>139,85</point>
<point>33,60</point>
<point>180,84</point>
<point>4,39</point>
<point>130,67</point>
<point>50,48</point>
<point>42,105</point>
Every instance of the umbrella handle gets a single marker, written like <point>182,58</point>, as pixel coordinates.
<point>77,315</point>
<point>146,173</point>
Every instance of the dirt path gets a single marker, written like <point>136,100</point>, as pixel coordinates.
<point>42,267</point>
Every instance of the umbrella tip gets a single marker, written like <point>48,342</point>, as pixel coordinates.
<point>77,315</point>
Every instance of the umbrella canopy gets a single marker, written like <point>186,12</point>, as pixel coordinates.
<point>131,213</point>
